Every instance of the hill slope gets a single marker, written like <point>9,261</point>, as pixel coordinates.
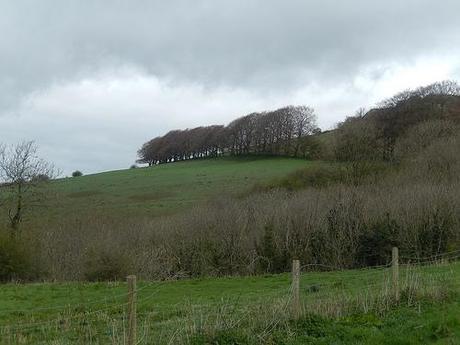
<point>165,188</point>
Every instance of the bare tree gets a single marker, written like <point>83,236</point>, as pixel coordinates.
<point>21,172</point>
<point>441,88</point>
<point>304,120</point>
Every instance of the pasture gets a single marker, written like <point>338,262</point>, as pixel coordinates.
<point>163,189</point>
<point>339,307</point>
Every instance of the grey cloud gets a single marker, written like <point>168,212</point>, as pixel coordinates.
<point>257,44</point>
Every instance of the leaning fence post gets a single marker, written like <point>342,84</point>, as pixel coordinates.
<point>395,270</point>
<point>296,289</point>
<point>132,322</point>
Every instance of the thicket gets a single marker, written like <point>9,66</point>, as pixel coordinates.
<point>16,259</point>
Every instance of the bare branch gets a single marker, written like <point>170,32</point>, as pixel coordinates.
<point>21,171</point>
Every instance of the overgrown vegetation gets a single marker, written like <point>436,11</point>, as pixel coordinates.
<point>16,260</point>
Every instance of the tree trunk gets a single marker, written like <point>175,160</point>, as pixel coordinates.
<point>16,219</point>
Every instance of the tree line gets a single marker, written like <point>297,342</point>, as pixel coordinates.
<point>277,132</point>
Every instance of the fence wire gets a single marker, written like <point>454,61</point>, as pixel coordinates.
<point>324,288</point>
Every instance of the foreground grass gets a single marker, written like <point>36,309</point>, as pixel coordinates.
<point>347,307</point>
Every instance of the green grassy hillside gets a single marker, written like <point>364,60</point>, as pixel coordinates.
<point>165,188</point>
<point>343,307</point>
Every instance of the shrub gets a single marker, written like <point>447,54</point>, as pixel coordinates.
<point>102,265</point>
<point>374,245</point>
<point>310,147</point>
<point>77,173</point>
<point>134,166</point>
<point>314,176</point>
<point>272,259</point>
<point>15,263</point>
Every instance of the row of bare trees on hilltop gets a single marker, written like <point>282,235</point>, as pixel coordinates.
<point>275,132</point>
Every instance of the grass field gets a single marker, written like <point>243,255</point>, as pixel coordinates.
<point>163,189</point>
<point>345,307</point>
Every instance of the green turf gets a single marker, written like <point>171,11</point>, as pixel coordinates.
<point>231,310</point>
<point>166,188</point>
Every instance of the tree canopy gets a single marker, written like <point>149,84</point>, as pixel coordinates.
<point>275,132</point>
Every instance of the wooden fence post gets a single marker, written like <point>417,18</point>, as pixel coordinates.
<point>395,270</point>
<point>132,322</point>
<point>296,289</point>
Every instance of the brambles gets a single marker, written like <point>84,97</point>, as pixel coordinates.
<point>103,265</point>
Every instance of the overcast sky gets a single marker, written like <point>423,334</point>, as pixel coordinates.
<point>91,80</point>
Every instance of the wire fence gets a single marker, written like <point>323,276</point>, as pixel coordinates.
<point>314,289</point>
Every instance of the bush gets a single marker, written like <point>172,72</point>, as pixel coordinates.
<point>15,263</point>
<point>77,173</point>
<point>134,166</point>
<point>105,266</point>
<point>272,258</point>
<point>310,147</point>
<point>374,245</point>
<point>314,176</point>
